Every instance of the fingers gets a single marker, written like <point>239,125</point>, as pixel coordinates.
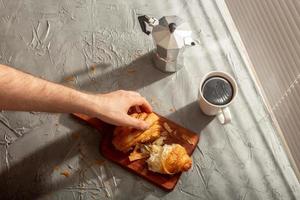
<point>135,123</point>
<point>141,101</point>
<point>117,105</point>
<point>133,93</point>
<point>138,100</point>
<point>121,119</point>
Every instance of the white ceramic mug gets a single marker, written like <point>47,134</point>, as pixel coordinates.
<point>222,111</point>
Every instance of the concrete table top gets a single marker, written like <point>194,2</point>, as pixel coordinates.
<point>98,46</point>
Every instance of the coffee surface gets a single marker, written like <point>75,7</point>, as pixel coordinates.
<point>217,90</point>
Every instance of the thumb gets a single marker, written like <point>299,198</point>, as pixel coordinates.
<point>135,123</point>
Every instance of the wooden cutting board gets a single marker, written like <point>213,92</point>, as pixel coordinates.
<point>182,136</point>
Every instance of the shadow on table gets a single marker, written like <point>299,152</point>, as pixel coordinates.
<point>40,173</point>
<point>191,117</point>
<point>104,78</point>
<point>31,177</point>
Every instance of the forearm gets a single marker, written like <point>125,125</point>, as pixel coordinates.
<point>21,91</point>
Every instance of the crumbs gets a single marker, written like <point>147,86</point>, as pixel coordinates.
<point>185,137</point>
<point>188,139</point>
<point>99,162</point>
<point>131,71</point>
<point>93,69</point>
<point>65,173</point>
<point>172,109</point>
<point>167,127</point>
<point>69,79</point>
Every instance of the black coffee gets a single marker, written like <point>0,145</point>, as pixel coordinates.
<point>217,90</point>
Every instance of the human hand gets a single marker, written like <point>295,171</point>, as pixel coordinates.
<point>113,108</point>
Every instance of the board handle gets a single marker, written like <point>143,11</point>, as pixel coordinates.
<point>94,122</point>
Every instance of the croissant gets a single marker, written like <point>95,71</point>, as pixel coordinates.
<point>168,159</point>
<point>125,138</point>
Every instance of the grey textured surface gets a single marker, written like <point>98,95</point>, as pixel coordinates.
<point>98,46</point>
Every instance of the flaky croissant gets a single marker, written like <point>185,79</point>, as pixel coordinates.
<point>168,159</point>
<point>125,138</point>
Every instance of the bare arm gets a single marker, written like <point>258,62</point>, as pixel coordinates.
<point>24,92</point>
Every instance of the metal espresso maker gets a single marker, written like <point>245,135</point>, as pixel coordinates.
<point>171,36</point>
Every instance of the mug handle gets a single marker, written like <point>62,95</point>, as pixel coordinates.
<point>224,115</point>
